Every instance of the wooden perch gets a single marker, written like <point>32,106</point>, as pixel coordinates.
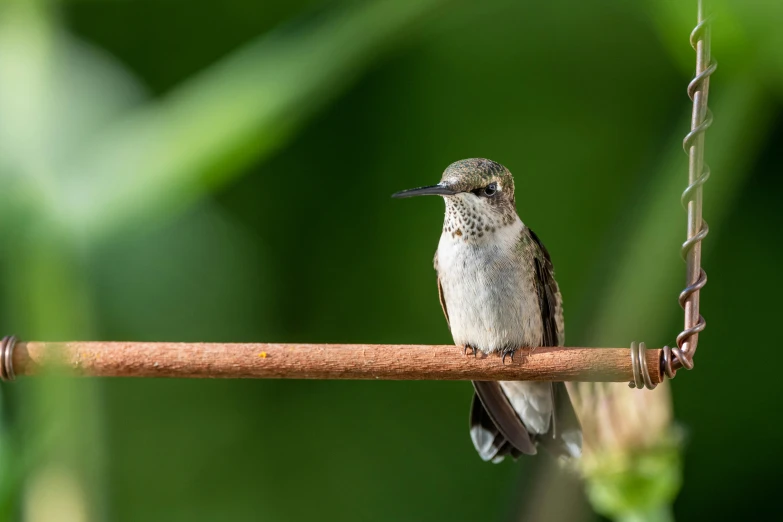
<point>323,361</point>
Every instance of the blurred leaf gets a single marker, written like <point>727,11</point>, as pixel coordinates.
<point>55,94</point>
<point>54,90</point>
<point>760,20</point>
<point>173,151</point>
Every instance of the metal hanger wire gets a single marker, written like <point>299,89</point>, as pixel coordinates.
<point>681,356</point>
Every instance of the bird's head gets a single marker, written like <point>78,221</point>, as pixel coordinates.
<point>479,195</point>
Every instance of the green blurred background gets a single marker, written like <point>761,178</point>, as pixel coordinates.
<point>221,171</point>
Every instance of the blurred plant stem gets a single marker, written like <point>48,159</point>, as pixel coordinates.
<point>59,417</point>
<point>54,462</point>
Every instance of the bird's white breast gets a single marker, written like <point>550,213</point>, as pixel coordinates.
<point>489,293</point>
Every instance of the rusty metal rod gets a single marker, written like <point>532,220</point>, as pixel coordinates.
<point>318,361</point>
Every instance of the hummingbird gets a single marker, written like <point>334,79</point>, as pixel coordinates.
<point>498,292</point>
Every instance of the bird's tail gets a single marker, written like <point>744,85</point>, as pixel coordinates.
<point>564,438</point>
<point>497,429</point>
<point>489,442</point>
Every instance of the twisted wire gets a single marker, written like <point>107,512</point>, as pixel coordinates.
<point>681,355</point>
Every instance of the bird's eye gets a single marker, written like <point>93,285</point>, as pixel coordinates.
<point>490,189</point>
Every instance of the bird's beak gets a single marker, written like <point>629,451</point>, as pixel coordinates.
<point>434,190</point>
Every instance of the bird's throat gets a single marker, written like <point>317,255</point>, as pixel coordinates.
<point>468,220</point>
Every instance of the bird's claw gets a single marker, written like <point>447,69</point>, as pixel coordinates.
<point>469,347</point>
<point>507,354</point>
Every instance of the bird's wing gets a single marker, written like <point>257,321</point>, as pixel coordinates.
<point>565,433</point>
<point>549,300</point>
<point>440,293</point>
<point>443,303</point>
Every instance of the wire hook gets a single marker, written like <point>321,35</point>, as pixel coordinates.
<point>681,356</point>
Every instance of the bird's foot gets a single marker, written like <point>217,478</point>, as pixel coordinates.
<point>526,352</point>
<point>473,350</point>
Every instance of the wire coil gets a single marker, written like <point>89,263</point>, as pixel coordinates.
<point>7,345</point>
<point>681,356</point>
